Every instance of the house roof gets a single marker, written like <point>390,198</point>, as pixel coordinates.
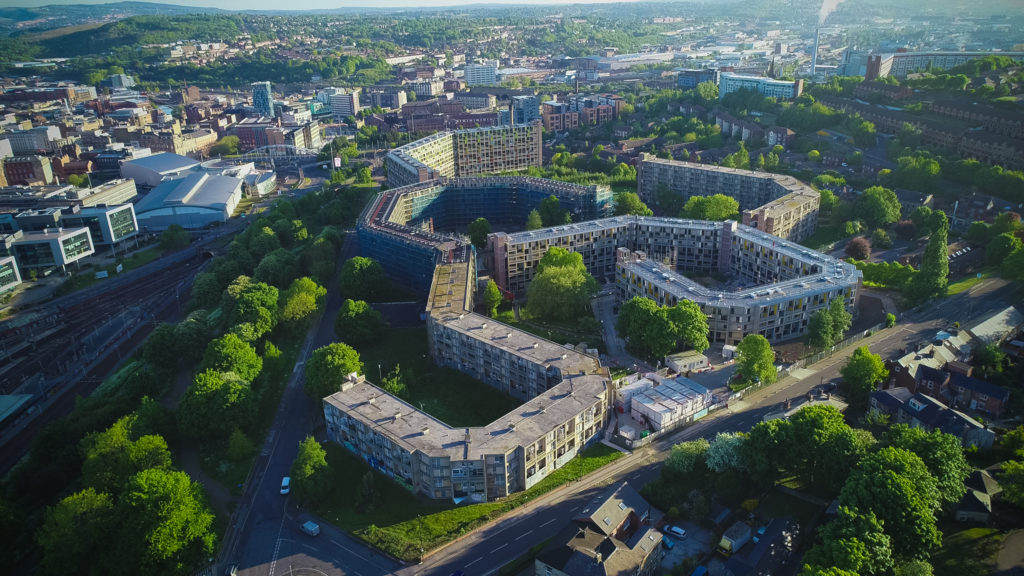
<point>974,501</point>
<point>980,386</point>
<point>982,481</point>
<point>608,512</point>
<point>998,326</point>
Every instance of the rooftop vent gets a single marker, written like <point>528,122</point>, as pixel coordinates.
<point>425,430</point>
<point>564,356</point>
<point>484,325</point>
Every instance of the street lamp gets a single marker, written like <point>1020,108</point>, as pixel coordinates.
<point>380,378</point>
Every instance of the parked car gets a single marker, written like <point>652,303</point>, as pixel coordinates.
<point>311,528</point>
<point>667,542</point>
<point>674,530</point>
<point>286,485</point>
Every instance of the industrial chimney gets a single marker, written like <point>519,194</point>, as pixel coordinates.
<point>814,55</point>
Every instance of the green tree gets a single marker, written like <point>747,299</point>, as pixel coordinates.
<point>988,361</point>
<point>933,278</point>
<point>161,348</point>
<point>1000,248</point>
<point>755,360</point>
<point>668,200</point>
<point>647,327</point>
<point>686,457</point>
<point>113,456</point>
<point>551,212</point>
<point>819,330</point>
<point>942,453</point>
<point>302,299</point>
<point>366,494</point>
<point>250,308</point>
<point>809,570</point>
<point>364,175</point>
<point>895,484</point>
<point>226,146</point>
<point>864,134</point>
<point>263,242</point>
<point>690,324</point>
<point>560,292</point>
<point>862,373</point>
<point>240,448</point>
<point>630,203</point>
<point>853,542</point>
<point>914,568</point>
<point>880,239</point>
<point>329,367</point>
<point>358,323</point>
<point>478,231</point>
<point>533,221</point>
<point>363,279</point>
<point>767,449</point>
<point>310,471</point>
<point>163,514</point>
<point>878,206</point>
<point>278,268</point>
<point>75,534</point>
<point>825,447</point>
<point>717,207</point>
<point>814,156</point>
<point>174,238</point>
<point>215,405</point>
<point>1012,480</point>
<point>841,319</point>
<point>707,92</point>
<point>725,453</point>
<point>78,180</point>
<point>229,353</point>
<point>395,382</point>
<point>492,298</point>
<point>206,291</point>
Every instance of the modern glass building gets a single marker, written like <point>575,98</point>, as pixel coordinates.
<point>49,248</point>
<point>262,99</point>
<point>107,224</point>
<point>9,277</point>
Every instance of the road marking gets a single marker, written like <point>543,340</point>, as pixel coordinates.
<point>499,547</point>
<point>313,548</point>
<point>353,552</point>
<point>474,561</point>
<point>527,533</point>
<point>574,509</point>
<point>549,521</point>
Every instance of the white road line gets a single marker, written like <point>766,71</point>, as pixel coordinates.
<point>574,509</point>
<point>548,522</point>
<point>353,552</point>
<point>313,548</point>
<point>499,547</point>
<point>527,533</point>
<point>474,561</point>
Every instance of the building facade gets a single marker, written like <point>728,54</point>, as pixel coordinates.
<point>28,170</point>
<point>108,225</point>
<point>9,275</point>
<point>485,74</point>
<point>467,152</point>
<point>792,217</point>
<point>262,99</point>
<point>730,82</point>
<point>48,249</point>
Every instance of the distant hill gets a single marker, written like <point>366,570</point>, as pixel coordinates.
<point>36,19</point>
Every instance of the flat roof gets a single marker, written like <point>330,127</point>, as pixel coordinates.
<point>164,162</point>
<point>415,430</point>
<point>197,189</point>
<point>49,234</point>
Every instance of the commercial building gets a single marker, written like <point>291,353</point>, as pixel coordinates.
<point>427,88</point>
<point>39,138</point>
<point>730,82</point>
<point>389,99</point>
<point>108,225</point>
<point>476,100</point>
<point>119,191</point>
<point>9,275</point>
<point>689,79</point>
<point>197,200</point>
<point>262,99</point>
<point>150,171</point>
<point>467,152</point>
<point>776,285</point>
<point>485,74</point>
<point>558,116</point>
<point>48,249</point>
<point>73,93</point>
<point>612,535</point>
<point>256,133</point>
<point>781,203</point>
<point>525,109</point>
<point>341,101</point>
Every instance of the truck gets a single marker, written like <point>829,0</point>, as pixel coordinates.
<point>734,538</point>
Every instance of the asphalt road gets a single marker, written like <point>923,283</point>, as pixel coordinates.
<point>272,544</point>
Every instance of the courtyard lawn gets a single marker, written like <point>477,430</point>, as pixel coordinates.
<point>448,395</point>
<point>970,552</point>
<point>406,525</point>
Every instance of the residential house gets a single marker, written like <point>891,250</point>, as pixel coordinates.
<point>920,411</point>
<point>982,490</point>
<point>613,535</point>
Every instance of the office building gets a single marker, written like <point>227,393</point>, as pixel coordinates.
<point>485,74</point>
<point>427,88</point>
<point>612,535</point>
<point>9,275</point>
<point>558,116</point>
<point>525,109</point>
<point>262,99</point>
<point>467,152</point>
<point>389,100</point>
<point>48,249</point>
<point>72,93</point>
<point>689,79</point>
<point>342,102</point>
<point>119,82</point>
<point>730,82</point>
<point>476,100</point>
<point>782,203</point>
<point>119,191</point>
<point>39,138</point>
<point>108,225</point>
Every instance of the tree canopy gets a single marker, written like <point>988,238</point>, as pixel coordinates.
<point>562,287</point>
<point>363,279</point>
<point>478,230</point>
<point>862,373</point>
<point>716,207</point>
<point>328,368</point>
<point>358,323</point>
<point>657,331</point>
<point>878,206</point>
<point>630,203</point>
<point>755,360</point>
<point>552,213</point>
<point>229,353</point>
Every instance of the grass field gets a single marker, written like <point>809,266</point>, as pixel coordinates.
<point>402,523</point>
<point>965,284</point>
<point>970,552</point>
<point>450,396</point>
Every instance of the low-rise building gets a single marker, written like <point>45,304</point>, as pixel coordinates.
<point>9,275</point>
<point>28,170</point>
<point>48,249</point>
<point>730,82</point>
<point>150,171</point>
<point>195,201</point>
<point>612,535</point>
<point>108,225</point>
<point>920,411</point>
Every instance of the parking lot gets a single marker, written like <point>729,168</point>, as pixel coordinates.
<point>695,544</point>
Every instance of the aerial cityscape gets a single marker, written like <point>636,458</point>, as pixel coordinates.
<point>516,288</point>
